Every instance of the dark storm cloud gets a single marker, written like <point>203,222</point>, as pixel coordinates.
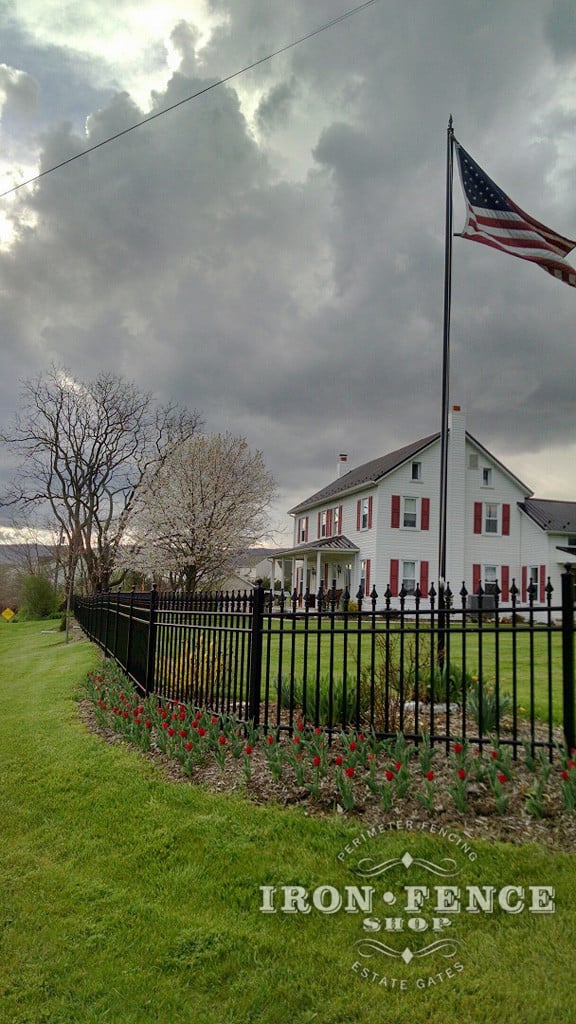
<point>303,308</point>
<point>560,26</point>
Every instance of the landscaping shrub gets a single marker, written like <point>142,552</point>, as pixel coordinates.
<point>40,599</point>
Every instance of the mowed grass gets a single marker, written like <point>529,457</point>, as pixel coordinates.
<point>528,664</point>
<point>127,899</point>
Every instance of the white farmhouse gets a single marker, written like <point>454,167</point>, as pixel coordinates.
<point>377,525</point>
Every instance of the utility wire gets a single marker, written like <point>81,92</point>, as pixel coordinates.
<point>194,96</point>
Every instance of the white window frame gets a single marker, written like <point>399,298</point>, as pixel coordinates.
<point>487,476</point>
<point>416,472</point>
<point>336,524</point>
<point>324,523</point>
<point>491,578</point>
<point>302,531</point>
<point>405,513</point>
<point>404,578</point>
<point>496,519</point>
<point>364,513</point>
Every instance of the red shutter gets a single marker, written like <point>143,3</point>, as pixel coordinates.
<point>505,583</point>
<point>394,574</point>
<point>370,506</point>
<point>542,575</point>
<point>476,577</point>
<point>477,517</point>
<point>424,578</point>
<point>341,519</point>
<point>524,582</point>
<point>395,519</point>
<point>329,523</point>
<point>358,514</point>
<point>319,523</point>
<point>326,580</point>
<point>306,527</point>
<point>367,577</point>
<point>425,515</point>
<point>505,520</point>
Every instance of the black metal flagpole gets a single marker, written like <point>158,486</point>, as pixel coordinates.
<point>446,360</point>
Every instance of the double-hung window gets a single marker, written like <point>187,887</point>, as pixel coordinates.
<point>409,577</point>
<point>410,513</point>
<point>491,518</point>
<point>491,523</point>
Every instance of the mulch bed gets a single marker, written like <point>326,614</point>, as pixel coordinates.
<point>556,829</point>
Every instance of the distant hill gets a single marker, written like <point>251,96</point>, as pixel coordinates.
<point>17,554</point>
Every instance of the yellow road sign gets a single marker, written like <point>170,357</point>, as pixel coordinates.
<point>8,614</point>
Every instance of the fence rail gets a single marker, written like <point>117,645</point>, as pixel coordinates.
<point>441,664</point>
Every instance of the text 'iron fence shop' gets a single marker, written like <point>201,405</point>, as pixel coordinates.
<point>445,665</point>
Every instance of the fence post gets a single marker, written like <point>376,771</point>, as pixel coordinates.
<point>568,655</point>
<point>255,679</point>
<point>151,649</point>
<point>129,633</point>
<point>107,617</point>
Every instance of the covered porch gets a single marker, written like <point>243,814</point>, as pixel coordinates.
<point>330,561</point>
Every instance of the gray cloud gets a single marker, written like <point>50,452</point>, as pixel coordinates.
<point>284,274</point>
<point>18,90</point>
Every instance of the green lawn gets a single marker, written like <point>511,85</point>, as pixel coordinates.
<point>126,899</point>
<point>528,666</point>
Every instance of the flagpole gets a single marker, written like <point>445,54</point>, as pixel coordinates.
<point>446,358</point>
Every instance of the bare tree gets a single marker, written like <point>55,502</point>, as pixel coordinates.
<point>200,509</point>
<point>84,450</point>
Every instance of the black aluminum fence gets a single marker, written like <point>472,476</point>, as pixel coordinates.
<point>444,665</point>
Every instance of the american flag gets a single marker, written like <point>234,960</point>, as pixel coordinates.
<point>493,219</point>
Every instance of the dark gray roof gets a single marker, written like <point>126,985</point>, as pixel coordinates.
<point>369,472</point>
<point>338,543</point>
<point>552,516</point>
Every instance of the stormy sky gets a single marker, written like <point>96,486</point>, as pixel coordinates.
<point>272,253</point>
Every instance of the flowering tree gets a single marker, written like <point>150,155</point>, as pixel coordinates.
<point>200,508</point>
<point>84,449</point>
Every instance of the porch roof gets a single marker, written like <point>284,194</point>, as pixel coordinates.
<point>550,515</point>
<point>336,545</point>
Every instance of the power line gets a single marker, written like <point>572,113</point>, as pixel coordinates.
<point>194,96</point>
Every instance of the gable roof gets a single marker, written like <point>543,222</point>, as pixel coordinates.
<point>550,515</point>
<point>368,473</point>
